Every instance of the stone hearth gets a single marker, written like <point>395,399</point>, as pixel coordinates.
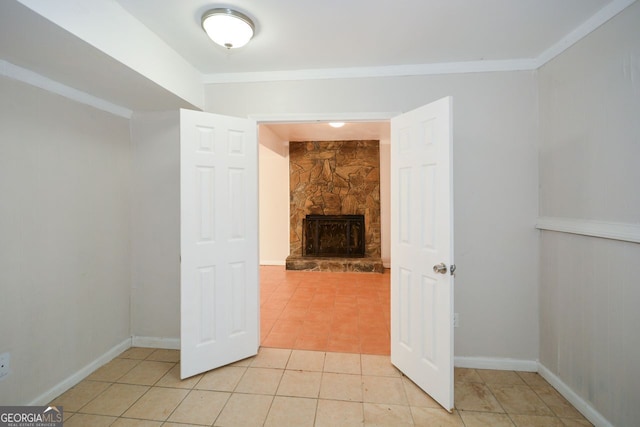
<point>358,265</point>
<point>335,178</point>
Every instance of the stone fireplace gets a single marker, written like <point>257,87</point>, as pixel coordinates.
<point>334,206</point>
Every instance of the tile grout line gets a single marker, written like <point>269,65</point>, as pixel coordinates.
<point>551,409</point>
<point>150,387</point>
<point>233,390</point>
<point>298,282</point>
<point>511,414</point>
<point>317,398</point>
<point>175,388</point>
<point>111,383</point>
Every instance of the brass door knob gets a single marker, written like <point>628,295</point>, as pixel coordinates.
<point>440,268</point>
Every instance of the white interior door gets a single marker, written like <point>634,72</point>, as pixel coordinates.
<point>219,290</point>
<point>422,239</point>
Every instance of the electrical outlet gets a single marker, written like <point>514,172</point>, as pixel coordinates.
<point>456,320</point>
<point>4,365</point>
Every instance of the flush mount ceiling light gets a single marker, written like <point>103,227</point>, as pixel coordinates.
<point>336,124</point>
<point>228,27</point>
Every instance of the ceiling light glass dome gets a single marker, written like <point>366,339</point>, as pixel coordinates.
<point>227,27</point>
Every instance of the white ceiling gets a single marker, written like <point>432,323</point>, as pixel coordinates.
<point>295,35</point>
<point>294,39</point>
<point>328,34</point>
<point>34,44</point>
<point>351,131</point>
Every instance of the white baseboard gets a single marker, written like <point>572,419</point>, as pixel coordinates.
<point>578,402</point>
<point>81,374</point>
<point>460,361</point>
<point>495,363</point>
<point>268,262</point>
<point>67,383</point>
<point>156,342</point>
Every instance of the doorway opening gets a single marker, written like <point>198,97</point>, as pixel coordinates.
<point>322,311</point>
<point>421,206</point>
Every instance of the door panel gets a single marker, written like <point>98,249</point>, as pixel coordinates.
<point>219,241</point>
<point>422,237</point>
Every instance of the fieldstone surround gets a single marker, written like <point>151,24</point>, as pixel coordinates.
<point>335,178</point>
<point>347,265</point>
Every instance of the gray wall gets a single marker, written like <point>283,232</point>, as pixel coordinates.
<point>155,236</point>
<point>495,179</point>
<point>589,169</point>
<point>64,231</point>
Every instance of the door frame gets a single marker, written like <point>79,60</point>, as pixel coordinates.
<point>341,117</point>
<point>298,118</point>
<point>324,117</point>
<point>310,118</point>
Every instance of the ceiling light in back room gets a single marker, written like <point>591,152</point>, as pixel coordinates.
<point>227,27</point>
<point>336,124</point>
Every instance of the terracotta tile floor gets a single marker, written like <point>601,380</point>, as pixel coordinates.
<point>281,387</point>
<point>341,312</point>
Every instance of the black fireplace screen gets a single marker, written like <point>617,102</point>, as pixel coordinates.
<point>333,235</point>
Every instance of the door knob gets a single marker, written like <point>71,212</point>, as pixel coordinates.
<point>440,268</point>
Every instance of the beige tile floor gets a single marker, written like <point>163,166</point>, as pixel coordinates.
<point>300,388</point>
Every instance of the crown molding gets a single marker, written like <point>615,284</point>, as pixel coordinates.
<point>29,77</point>
<point>524,64</point>
<point>366,72</point>
<point>583,30</point>
<point>15,72</point>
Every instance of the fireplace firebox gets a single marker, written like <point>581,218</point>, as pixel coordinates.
<point>333,236</point>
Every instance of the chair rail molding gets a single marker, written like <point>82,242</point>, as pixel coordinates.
<point>607,230</point>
